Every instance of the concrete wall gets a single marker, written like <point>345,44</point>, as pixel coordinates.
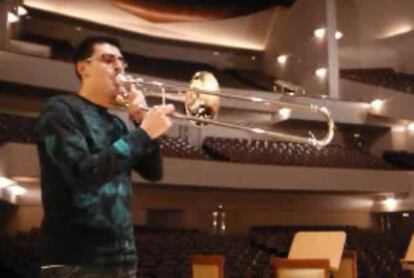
<point>169,208</point>
<point>191,208</point>
<point>376,33</point>
<point>292,35</point>
<point>240,221</point>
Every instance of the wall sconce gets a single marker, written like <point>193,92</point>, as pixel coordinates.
<point>390,203</point>
<point>377,104</point>
<point>11,186</point>
<point>12,18</point>
<point>21,11</point>
<point>410,127</point>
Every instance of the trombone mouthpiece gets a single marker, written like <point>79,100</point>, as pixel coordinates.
<point>121,97</point>
<point>121,78</point>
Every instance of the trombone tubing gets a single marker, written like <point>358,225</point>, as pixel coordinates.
<point>312,140</point>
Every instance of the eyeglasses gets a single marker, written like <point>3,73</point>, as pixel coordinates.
<point>109,59</point>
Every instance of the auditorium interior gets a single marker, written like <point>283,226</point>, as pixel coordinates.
<point>242,196</point>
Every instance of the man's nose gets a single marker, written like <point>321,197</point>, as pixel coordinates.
<point>118,66</point>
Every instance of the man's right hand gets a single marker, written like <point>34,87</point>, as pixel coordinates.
<point>156,121</point>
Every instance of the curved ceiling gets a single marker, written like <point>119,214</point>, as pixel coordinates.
<point>249,32</point>
<point>194,10</point>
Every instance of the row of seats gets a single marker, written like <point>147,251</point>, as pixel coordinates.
<point>166,253</point>
<point>288,153</point>
<point>383,77</point>
<point>16,129</point>
<point>273,153</point>
<point>21,129</point>
<point>179,148</point>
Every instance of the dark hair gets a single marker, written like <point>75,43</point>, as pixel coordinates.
<point>86,48</point>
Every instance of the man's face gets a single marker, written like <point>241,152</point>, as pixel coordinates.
<point>101,69</point>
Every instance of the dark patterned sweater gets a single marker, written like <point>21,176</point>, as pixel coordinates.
<point>86,157</point>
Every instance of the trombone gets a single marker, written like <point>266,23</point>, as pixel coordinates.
<point>202,103</point>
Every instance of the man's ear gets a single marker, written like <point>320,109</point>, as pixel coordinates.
<point>81,68</point>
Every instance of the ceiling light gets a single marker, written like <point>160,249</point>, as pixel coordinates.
<point>21,11</point>
<point>281,59</point>
<point>405,214</point>
<point>12,18</point>
<point>338,35</point>
<point>253,58</point>
<point>216,53</point>
<point>321,72</point>
<point>320,33</point>
<point>5,182</point>
<point>377,104</point>
<point>16,189</point>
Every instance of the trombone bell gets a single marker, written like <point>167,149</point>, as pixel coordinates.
<point>200,104</point>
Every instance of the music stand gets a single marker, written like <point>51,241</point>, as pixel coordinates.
<point>408,261</point>
<point>319,245</point>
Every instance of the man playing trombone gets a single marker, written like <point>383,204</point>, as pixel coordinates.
<point>86,157</point>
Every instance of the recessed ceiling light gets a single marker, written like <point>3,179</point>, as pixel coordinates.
<point>281,59</point>
<point>321,72</point>
<point>320,33</point>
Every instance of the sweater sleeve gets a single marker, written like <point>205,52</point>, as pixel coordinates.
<point>63,146</point>
<point>151,168</point>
